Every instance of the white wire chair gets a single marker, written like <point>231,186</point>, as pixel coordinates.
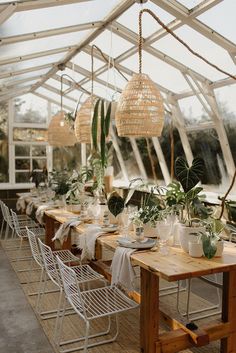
<point>22,234</point>
<point>84,274</point>
<point>91,305</point>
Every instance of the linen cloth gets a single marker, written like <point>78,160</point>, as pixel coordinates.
<point>87,241</point>
<point>29,208</point>
<point>122,269</point>
<point>20,204</point>
<point>40,212</point>
<point>64,230</point>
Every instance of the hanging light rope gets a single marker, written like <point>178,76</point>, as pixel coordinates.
<point>140,111</point>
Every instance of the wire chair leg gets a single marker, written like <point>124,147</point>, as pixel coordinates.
<point>60,324</point>
<point>2,228</point>
<point>55,334</point>
<point>42,285</point>
<point>86,337</point>
<point>6,231</point>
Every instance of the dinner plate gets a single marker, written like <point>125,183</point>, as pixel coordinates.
<point>109,229</point>
<point>130,243</point>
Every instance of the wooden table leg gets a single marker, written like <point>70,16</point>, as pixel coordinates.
<point>49,231</point>
<point>228,344</point>
<point>149,313</point>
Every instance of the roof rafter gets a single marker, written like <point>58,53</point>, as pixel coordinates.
<point>6,12</point>
<point>116,12</point>
<point>49,32</point>
<point>25,5</point>
<point>24,71</point>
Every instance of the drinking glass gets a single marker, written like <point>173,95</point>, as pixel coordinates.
<point>164,232</point>
<point>125,222</point>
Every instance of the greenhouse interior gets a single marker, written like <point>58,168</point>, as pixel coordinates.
<point>117,176</point>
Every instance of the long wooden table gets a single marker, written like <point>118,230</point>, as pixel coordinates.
<point>173,267</point>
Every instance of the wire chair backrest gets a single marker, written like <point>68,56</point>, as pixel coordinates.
<point>2,209</point>
<point>49,263</point>
<point>34,247</point>
<point>71,287</point>
<point>8,217</point>
<point>15,222</point>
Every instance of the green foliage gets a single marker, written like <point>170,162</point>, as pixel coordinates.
<point>189,176</point>
<point>174,194</point>
<point>58,180</point>
<point>115,204</point>
<point>76,184</point>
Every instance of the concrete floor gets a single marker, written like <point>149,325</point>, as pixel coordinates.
<point>20,331</point>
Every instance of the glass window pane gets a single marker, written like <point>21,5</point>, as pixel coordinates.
<point>4,176</point>
<point>222,18</point>
<point>56,16</point>
<point>38,151</point>
<point>129,158</point>
<point>200,44</point>
<point>36,45</point>
<point>30,109</point>
<point>22,151</point>
<point>190,3</point>
<point>192,111</point>
<point>205,144</point>
<point>21,164</point>
<point>39,164</point>
<point>29,135</point>
<point>84,60</point>
<point>9,80</point>
<point>158,71</point>
<point>67,157</point>
<point>112,44</point>
<point>130,18</point>
<point>22,177</point>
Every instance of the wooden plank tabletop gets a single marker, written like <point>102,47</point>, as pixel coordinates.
<point>176,265</point>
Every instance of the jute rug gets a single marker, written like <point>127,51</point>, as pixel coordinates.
<point>128,338</point>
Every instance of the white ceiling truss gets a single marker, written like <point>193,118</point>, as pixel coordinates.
<point>16,81</point>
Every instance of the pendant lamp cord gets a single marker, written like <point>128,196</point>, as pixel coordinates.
<point>140,44</point>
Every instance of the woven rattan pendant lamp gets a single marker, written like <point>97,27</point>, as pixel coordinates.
<point>83,119</point>
<point>140,110</point>
<point>59,132</point>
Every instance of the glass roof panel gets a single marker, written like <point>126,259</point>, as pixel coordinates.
<point>8,80</point>
<point>20,65</point>
<point>158,71</point>
<point>102,91</point>
<point>190,3</point>
<point>42,44</point>
<point>113,77</point>
<point>56,84</point>
<point>193,111</point>
<point>112,44</point>
<point>84,60</point>
<point>54,96</point>
<point>222,18</point>
<point>211,51</point>
<point>73,75</point>
<point>225,97</point>
<point>78,95</point>
<point>130,18</point>
<point>56,17</point>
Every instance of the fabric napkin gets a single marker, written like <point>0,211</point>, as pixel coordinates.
<point>87,241</point>
<point>40,212</point>
<point>64,230</point>
<point>29,208</point>
<point>122,270</point>
<point>20,204</point>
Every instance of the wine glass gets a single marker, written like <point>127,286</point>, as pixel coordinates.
<point>164,232</point>
<point>125,222</point>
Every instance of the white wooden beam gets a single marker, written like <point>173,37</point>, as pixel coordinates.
<point>119,154</point>
<point>25,5</point>
<point>161,160</point>
<point>189,18</point>
<point>19,82</point>
<point>24,71</point>
<point>49,32</point>
<point>122,6</point>
<point>138,158</point>
<point>51,100</point>
<point>6,12</point>
<point>17,59</point>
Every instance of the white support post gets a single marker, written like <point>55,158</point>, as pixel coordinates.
<point>11,153</point>
<point>138,158</point>
<point>161,159</point>
<point>119,154</point>
<point>176,111</point>
<point>83,154</point>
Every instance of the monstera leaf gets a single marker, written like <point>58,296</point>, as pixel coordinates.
<point>115,204</point>
<point>189,176</point>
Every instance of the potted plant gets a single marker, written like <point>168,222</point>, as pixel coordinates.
<point>58,181</point>
<point>211,240</point>
<point>194,210</point>
<point>76,183</point>
<point>101,146</point>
